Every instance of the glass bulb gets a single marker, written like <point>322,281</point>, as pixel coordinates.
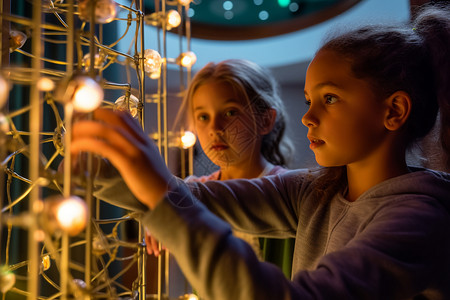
<point>187,59</point>
<point>188,297</point>
<point>46,262</point>
<point>105,10</point>
<point>71,215</point>
<point>188,140</point>
<point>45,84</point>
<point>4,91</point>
<point>99,61</point>
<point>184,2</point>
<point>152,61</point>
<point>7,280</point>
<point>173,19</point>
<point>4,124</point>
<point>87,94</point>
<point>16,40</point>
<point>97,246</point>
<point>130,105</point>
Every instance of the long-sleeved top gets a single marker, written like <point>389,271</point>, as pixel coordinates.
<point>277,251</point>
<point>393,242</point>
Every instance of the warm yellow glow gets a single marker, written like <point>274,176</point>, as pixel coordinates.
<point>46,262</point>
<point>4,124</point>
<point>131,105</point>
<point>45,84</point>
<point>39,235</point>
<point>184,2</point>
<point>97,246</point>
<point>99,61</point>
<point>71,215</point>
<point>105,10</point>
<point>4,91</point>
<point>187,59</point>
<point>173,19</point>
<point>16,40</point>
<point>7,280</point>
<point>188,297</point>
<point>87,94</point>
<point>152,61</point>
<point>188,140</point>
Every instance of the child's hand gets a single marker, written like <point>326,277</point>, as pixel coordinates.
<point>152,244</point>
<point>119,138</point>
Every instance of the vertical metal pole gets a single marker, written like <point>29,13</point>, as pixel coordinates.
<point>90,176</point>
<point>35,127</point>
<point>142,255</point>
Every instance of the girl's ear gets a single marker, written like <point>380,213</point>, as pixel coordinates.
<point>267,121</point>
<point>398,110</point>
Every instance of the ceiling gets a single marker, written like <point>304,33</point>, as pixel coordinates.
<point>253,19</point>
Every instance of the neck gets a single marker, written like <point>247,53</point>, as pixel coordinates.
<point>361,177</point>
<point>246,170</point>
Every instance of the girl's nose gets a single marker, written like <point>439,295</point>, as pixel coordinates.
<point>309,120</point>
<point>217,126</point>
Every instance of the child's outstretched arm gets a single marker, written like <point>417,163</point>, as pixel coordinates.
<point>119,138</point>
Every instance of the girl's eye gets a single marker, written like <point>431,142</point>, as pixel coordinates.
<point>308,102</point>
<point>202,117</point>
<point>231,113</point>
<point>330,99</point>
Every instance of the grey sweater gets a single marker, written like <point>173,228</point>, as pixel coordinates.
<point>393,242</point>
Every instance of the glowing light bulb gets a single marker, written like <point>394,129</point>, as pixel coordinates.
<point>97,246</point>
<point>4,124</point>
<point>46,262</point>
<point>16,40</point>
<point>184,2</point>
<point>188,297</point>
<point>188,140</point>
<point>173,19</point>
<point>99,61</point>
<point>187,59</point>
<point>4,91</point>
<point>152,61</point>
<point>71,215</point>
<point>155,75</point>
<point>7,280</point>
<point>86,94</point>
<point>131,105</point>
<point>45,84</point>
<point>105,10</point>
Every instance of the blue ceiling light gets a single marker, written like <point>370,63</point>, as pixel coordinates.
<point>263,15</point>
<point>284,3</point>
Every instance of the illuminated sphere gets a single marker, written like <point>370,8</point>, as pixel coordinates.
<point>152,61</point>
<point>16,40</point>
<point>45,84</point>
<point>131,106</point>
<point>87,94</point>
<point>46,262</point>
<point>4,124</point>
<point>188,140</point>
<point>187,59</point>
<point>4,91</point>
<point>105,10</point>
<point>71,215</point>
<point>7,280</point>
<point>173,19</point>
<point>184,2</point>
<point>99,61</point>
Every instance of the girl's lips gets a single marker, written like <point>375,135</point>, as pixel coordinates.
<point>314,143</point>
<point>219,147</point>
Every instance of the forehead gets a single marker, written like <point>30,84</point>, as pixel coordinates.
<point>213,93</point>
<point>329,66</point>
